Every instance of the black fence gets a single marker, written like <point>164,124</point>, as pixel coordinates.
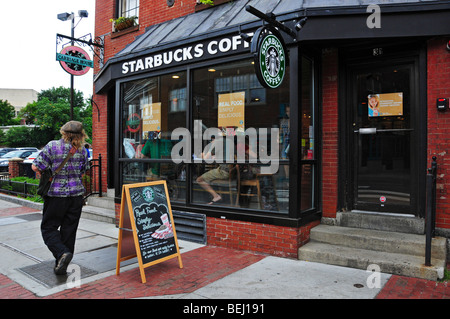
<point>431,210</point>
<point>92,179</point>
<point>17,188</point>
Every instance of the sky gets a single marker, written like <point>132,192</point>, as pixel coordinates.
<point>28,31</point>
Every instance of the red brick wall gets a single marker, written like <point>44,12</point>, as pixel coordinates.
<point>151,12</point>
<point>268,239</point>
<point>14,167</point>
<point>329,132</point>
<point>438,84</point>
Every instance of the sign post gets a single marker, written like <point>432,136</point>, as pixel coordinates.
<point>146,220</point>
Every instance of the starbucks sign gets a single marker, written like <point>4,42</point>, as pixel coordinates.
<point>270,58</point>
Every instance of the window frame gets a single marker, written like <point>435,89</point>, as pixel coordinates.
<point>295,216</point>
<point>120,12</point>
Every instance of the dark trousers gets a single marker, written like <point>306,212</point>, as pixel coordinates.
<point>60,223</point>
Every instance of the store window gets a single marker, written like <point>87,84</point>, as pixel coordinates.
<point>240,134</point>
<point>233,167</point>
<point>151,109</point>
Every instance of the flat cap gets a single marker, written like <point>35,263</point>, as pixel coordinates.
<point>72,127</point>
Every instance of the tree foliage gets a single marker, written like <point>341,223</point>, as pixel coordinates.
<point>6,113</point>
<point>52,110</point>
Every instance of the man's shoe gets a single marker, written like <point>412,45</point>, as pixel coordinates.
<point>62,263</point>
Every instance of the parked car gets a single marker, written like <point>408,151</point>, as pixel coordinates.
<point>4,160</point>
<point>31,158</point>
<point>5,150</point>
<point>28,148</point>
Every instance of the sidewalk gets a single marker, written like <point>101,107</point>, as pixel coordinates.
<point>26,270</point>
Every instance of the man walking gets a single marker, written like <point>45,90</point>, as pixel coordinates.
<point>64,200</point>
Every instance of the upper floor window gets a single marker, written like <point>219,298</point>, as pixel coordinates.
<point>128,8</point>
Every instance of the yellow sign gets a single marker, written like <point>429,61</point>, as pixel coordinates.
<point>388,104</point>
<point>151,119</point>
<point>231,110</point>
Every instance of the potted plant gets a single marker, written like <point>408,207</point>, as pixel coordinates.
<point>123,23</point>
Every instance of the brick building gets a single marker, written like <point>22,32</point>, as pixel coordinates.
<point>356,114</point>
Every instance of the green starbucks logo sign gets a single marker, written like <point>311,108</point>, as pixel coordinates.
<point>148,194</point>
<point>270,61</point>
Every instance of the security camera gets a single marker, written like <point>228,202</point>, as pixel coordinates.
<point>300,24</point>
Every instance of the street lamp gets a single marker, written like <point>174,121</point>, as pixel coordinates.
<point>64,17</point>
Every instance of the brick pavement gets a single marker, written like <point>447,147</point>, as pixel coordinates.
<point>202,266</point>
<point>399,287</point>
<point>12,211</point>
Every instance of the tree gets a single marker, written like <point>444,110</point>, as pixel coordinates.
<point>52,110</point>
<point>6,113</point>
<point>60,94</point>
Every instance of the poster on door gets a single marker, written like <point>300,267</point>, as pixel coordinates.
<point>231,110</point>
<point>386,104</point>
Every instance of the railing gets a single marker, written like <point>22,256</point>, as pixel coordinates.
<point>431,210</point>
<point>92,179</point>
<point>18,188</point>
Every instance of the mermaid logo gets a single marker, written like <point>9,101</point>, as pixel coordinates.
<point>148,194</point>
<point>271,60</point>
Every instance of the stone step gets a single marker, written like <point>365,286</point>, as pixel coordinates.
<point>401,223</point>
<point>392,242</point>
<point>393,263</point>
<point>102,202</point>
<point>394,252</point>
<point>99,214</point>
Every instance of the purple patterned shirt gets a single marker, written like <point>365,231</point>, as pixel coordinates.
<point>67,183</point>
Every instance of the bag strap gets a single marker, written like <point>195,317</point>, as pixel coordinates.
<point>71,152</point>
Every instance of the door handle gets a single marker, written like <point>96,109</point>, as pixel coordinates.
<point>374,130</point>
<point>366,130</point>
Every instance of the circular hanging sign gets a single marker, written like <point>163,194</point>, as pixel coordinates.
<point>74,60</point>
<point>270,57</point>
<point>134,123</point>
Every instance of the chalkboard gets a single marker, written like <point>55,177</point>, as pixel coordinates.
<point>146,207</point>
<point>268,192</point>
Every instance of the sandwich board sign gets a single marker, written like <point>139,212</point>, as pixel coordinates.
<point>146,227</point>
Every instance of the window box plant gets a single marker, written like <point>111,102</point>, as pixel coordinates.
<point>123,23</point>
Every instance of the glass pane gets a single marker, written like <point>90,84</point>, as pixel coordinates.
<point>130,8</point>
<point>173,174</point>
<point>152,109</point>
<point>241,185</point>
<point>307,176</point>
<point>247,123</point>
<point>384,105</point>
<point>307,127</point>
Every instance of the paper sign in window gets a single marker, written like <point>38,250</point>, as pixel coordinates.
<point>231,110</point>
<point>387,104</point>
<point>151,119</point>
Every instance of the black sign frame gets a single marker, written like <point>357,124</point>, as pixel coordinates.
<point>257,49</point>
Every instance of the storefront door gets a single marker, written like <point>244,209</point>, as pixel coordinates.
<point>383,99</point>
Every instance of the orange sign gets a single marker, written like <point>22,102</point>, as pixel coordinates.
<point>388,104</point>
<point>231,110</point>
<point>151,119</point>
